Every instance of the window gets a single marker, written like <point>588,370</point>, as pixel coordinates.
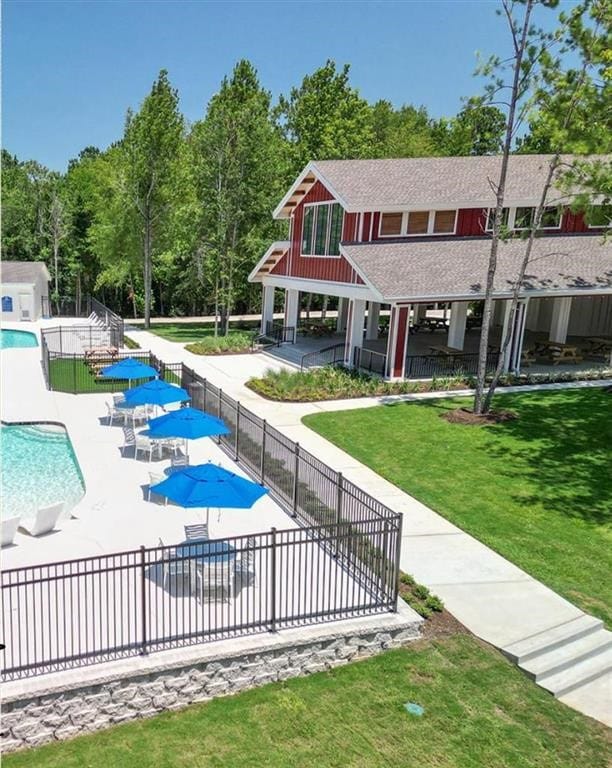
<point>322,229</point>
<point>418,222</point>
<point>391,224</point>
<point>444,222</point>
<point>7,304</point>
<point>491,217</point>
<point>523,218</point>
<point>551,217</point>
<point>599,216</point>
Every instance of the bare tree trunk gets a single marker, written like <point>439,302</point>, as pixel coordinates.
<point>56,270</point>
<point>519,51</point>
<point>147,270</point>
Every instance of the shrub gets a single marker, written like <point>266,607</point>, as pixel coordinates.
<point>234,343</point>
<point>434,602</point>
<point>130,343</point>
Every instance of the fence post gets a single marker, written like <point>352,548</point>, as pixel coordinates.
<point>205,395</point>
<point>61,346</point>
<point>74,374</point>
<point>143,600</point>
<point>262,471</point>
<point>339,497</point>
<point>398,554</point>
<point>237,436</point>
<point>273,582</point>
<point>219,412</point>
<point>296,471</point>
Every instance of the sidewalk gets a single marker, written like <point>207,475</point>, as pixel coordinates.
<point>496,600</point>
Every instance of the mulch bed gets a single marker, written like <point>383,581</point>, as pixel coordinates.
<point>465,416</point>
<point>442,625</point>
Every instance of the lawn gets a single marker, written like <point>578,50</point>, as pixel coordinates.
<point>537,489</point>
<point>74,375</point>
<point>188,332</point>
<point>480,712</point>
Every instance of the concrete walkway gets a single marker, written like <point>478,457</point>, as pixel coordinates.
<point>496,600</point>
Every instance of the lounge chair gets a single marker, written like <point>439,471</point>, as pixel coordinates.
<point>44,521</point>
<point>8,530</point>
<point>196,531</point>
<point>154,479</point>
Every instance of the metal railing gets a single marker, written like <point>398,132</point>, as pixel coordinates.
<point>370,361</point>
<point>78,612</point>
<point>331,355</point>
<point>110,320</point>
<point>282,334</point>
<point>430,366</point>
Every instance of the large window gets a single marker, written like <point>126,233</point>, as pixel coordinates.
<point>391,224</point>
<point>322,229</point>
<point>600,216</point>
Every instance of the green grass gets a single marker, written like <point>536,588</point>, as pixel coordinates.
<point>74,375</point>
<point>480,712</point>
<point>537,489</point>
<point>188,332</point>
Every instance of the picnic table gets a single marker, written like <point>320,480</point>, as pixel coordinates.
<point>444,350</point>
<point>558,352</point>
<point>318,329</point>
<point>93,353</point>
<point>599,346</point>
<point>432,324</point>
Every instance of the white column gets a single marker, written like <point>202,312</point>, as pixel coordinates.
<point>456,329</point>
<point>518,334</point>
<point>342,314</point>
<point>418,313</point>
<point>560,319</point>
<point>267,307</point>
<point>354,330</point>
<point>372,323</point>
<point>292,307</point>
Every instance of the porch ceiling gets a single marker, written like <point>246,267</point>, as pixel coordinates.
<point>456,268</point>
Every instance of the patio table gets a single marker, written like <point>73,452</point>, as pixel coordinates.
<point>206,552</point>
<point>444,350</point>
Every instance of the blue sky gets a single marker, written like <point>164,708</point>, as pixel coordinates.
<point>71,69</point>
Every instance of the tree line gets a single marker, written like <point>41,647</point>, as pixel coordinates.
<point>171,218</point>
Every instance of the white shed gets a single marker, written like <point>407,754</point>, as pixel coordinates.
<point>24,290</point>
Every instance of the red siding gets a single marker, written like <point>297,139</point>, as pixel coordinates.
<point>471,221</point>
<point>375,225</point>
<point>573,222</point>
<point>334,269</point>
<point>399,317</point>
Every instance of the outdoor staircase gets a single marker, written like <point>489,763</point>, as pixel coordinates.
<point>567,656</point>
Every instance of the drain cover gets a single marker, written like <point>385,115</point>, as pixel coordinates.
<point>414,709</point>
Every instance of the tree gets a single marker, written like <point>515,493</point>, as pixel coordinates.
<point>150,150</point>
<point>571,97</point>
<point>404,132</point>
<point>325,118</point>
<point>237,156</point>
<point>58,227</point>
<point>477,130</point>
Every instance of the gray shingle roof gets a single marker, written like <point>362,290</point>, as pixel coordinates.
<point>23,271</point>
<point>443,269</point>
<point>434,181</point>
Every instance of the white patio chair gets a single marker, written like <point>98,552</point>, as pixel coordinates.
<point>139,414</point>
<point>114,413</point>
<point>216,581</point>
<point>173,444</point>
<point>118,399</point>
<point>178,462</point>
<point>174,567</point>
<point>129,439</point>
<point>8,529</point>
<point>196,531</point>
<point>44,521</point>
<point>245,566</point>
<point>143,444</point>
<point>154,479</point>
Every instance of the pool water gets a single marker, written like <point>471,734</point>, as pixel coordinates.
<point>10,338</point>
<point>39,467</point>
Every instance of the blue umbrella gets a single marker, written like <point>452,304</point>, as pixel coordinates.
<point>128,368</point>
<point>189,423</point>
<point>156,392</point>
<point>207,485</point>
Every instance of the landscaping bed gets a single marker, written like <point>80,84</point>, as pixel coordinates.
<point>236,342</point>
<point>337,383</point>
<point>537,489</point>
<point>479,712</point>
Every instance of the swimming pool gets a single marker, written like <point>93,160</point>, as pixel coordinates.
<point>39,467</point>
<point>10,338</point>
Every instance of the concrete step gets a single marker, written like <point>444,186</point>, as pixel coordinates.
<point>578,674</point>
<point>535,645</point>
<point>567,655</point>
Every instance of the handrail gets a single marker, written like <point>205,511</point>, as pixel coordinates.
<point>318,357</point>
<point>370,360</point>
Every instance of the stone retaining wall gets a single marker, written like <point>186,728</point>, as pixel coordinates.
<point>39,710</point>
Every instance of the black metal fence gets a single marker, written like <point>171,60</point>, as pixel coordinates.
<point>280,333</point>
<point>78,612</point>
<point>341,562</point>
<point>461,364</point>
<point>110,320</point>
<point>332,355</point>
<point>370,361</point>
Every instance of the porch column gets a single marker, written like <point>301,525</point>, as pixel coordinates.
<point>397,343</point>
<point>354,330</point>
<point>456,329</point>
<point>373,317</point>
<point>512,356</point>
<point>292,307</point>
<point>342,314</point>
<point>267,307</point>
<point>418,312</point>
<point>560,319</point>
